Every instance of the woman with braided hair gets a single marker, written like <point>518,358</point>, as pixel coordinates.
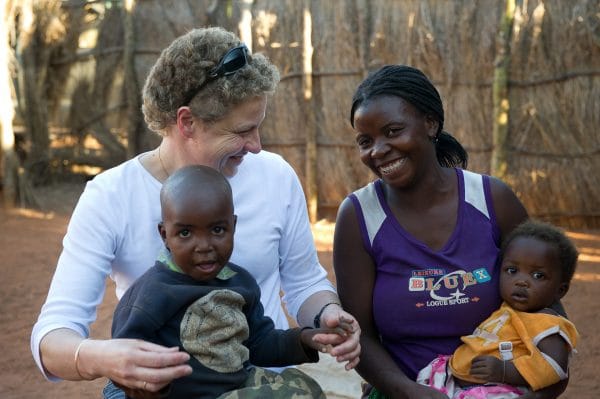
<point>415,251</point>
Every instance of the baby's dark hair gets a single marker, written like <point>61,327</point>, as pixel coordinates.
<point>412,86</point>
<point>550,234</point>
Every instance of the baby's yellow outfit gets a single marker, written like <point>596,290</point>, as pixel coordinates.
<point>525,331</point>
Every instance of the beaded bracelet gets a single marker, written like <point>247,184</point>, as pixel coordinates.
<point>317,320</point>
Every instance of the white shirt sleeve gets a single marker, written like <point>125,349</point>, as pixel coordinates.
<point>113,232</point>
<point>78,284</point>
<point>273,240</point>
<point>301,273</point>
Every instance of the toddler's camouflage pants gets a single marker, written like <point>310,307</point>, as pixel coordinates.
<point>266,384</point>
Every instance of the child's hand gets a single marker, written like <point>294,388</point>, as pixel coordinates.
<point>347,348</point>
<point>488,369</point>
<point>492,369</point>
<point>324,339</point>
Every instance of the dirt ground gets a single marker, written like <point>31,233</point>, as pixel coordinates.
<point>31,241</point>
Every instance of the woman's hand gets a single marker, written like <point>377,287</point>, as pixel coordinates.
<point>345,347</point>
<point>132,364</point>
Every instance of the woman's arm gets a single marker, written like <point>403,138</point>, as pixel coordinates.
<point>551,392</point>
<point>57,351</point>
<point>325,306</point>
<point>509,210</point>
<point>355,275</point>
<point>129,362</point>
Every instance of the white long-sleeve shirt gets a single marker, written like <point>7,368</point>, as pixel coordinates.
<point>113,231</point>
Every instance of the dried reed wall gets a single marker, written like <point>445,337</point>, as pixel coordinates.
<point>554,84</point>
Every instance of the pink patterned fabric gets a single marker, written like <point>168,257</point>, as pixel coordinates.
<point>436,375</point>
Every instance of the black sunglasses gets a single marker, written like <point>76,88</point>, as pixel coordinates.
<point>233,60</point>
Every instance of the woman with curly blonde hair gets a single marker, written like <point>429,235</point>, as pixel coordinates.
<point>206,96</point>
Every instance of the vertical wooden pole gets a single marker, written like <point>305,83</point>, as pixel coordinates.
<point>363,9</point>
<point>499,161</point>
<point>312,195</point>
<point>245,24</point>
<point>132,89</point>
<point>10,163</point>
<point>33,55</point>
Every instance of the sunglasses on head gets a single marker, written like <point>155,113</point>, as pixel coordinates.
<point>233,60</point>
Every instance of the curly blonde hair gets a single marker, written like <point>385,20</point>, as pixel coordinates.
<point>183,67</point>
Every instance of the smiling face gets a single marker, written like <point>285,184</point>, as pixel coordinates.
<point>394,139</point>
<point>223,144</point>
<point>531,277</point>
<point>198,228</point>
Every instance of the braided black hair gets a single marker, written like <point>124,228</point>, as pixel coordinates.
<point>413,86</point>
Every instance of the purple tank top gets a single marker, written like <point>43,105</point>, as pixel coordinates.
<point>424,300</point>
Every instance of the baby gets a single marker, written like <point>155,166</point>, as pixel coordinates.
<point>525,344</point>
